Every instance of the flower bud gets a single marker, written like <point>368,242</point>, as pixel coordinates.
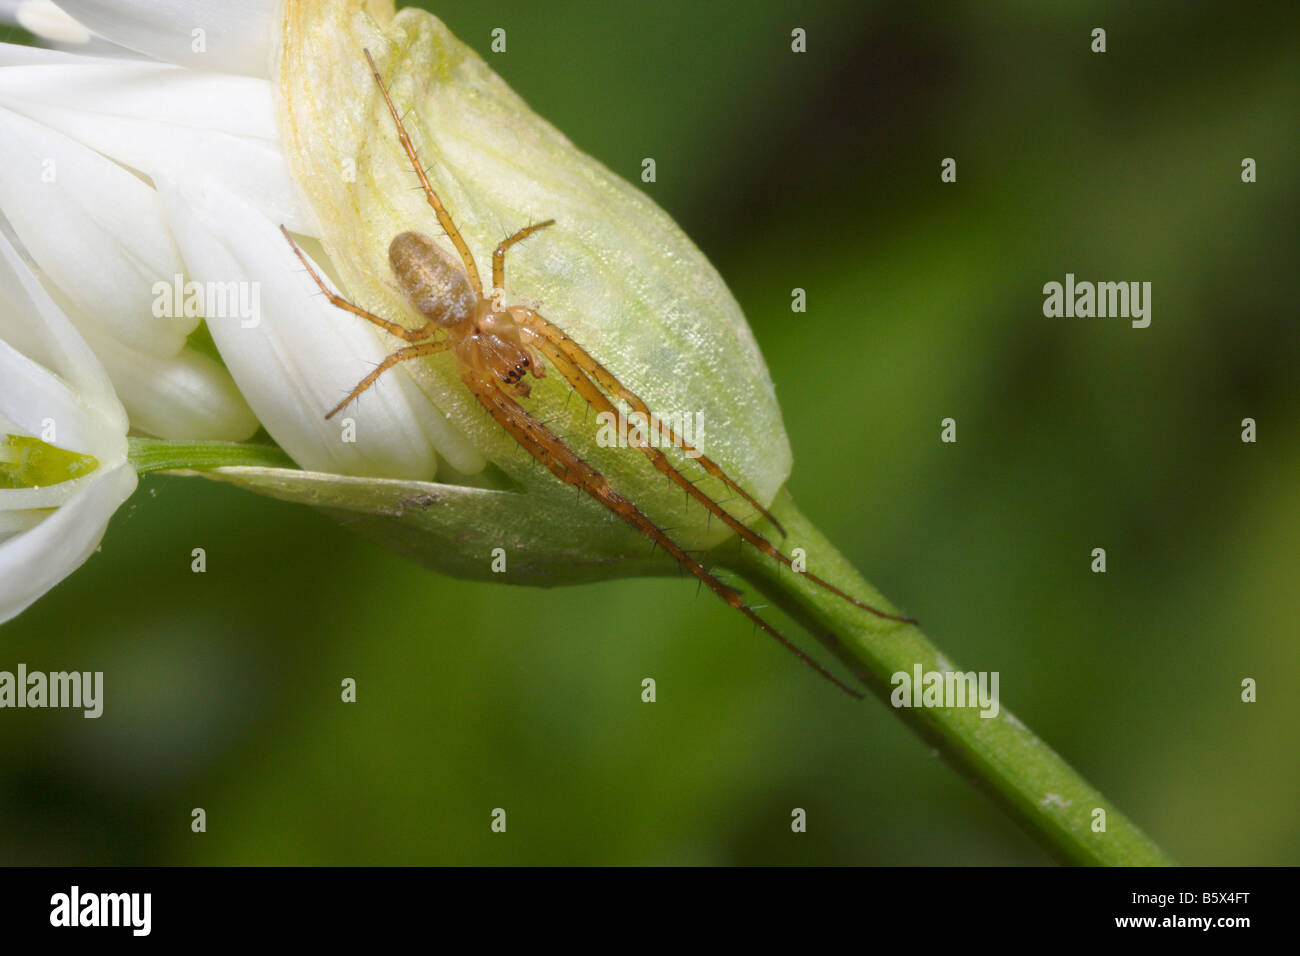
<point>615,273</point>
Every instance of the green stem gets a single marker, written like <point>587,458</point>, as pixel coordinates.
<point>152,454</point>
<point>1020,772</point>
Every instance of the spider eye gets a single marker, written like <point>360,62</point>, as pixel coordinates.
<point>527,361</point>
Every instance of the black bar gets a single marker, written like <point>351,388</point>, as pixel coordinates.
<point>335,905</point>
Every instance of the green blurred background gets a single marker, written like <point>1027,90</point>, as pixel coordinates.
<point>819,171</point>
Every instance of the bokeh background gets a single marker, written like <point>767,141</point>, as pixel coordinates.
<point>819,171</point>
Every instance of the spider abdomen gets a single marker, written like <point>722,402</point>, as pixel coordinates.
<point>432,280</point>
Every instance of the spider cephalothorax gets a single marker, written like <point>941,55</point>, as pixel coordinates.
<point>485,335</point>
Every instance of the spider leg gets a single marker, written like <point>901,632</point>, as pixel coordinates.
<point>580,357</point>
<point>439,209</point>
<point>561,350</point>
<point>401,355</point>
<point>392,328</point>
<point>547,448</point>
<point>499,256</point>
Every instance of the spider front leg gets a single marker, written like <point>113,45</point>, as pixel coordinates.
<point>499,256</point>
<point>392,328</point>
<point>439,210</point>
<point>573,362</point>
<point>543,444</point>
<point>336,300</point>
<point>401,355</point>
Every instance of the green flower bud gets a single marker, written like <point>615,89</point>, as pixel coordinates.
<point>615,273</point>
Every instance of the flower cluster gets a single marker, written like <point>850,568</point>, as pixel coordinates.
<point>149,156</point>
<point>140,158</point>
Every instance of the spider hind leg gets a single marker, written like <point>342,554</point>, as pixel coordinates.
<point>540,442</point>
<point>585,374</point>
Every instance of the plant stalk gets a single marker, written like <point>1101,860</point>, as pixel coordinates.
<point>999,753</point>
<point>155,454</point>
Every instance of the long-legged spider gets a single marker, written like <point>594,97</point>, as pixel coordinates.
<point>496,347</point>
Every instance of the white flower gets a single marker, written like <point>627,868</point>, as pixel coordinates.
<point>140,173</point>
<point>55,396</point>
<point>127,176</point>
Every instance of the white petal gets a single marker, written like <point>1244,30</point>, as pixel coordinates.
<point>14,329</point>
<point>40,403</point>
<point>48,22</point>
<point>95,229</point>
<point>18,54</point>
<point>45,496</point>
<point>15,522</point>
<point>184,396</point>
<point>140,89</point>
<point>187,395</point>
<point>91,47</point>
<point>31,309</point>
<point>167,123</point>
<point>232,36</point>
<point>34,561</point>
<point>304,355</point>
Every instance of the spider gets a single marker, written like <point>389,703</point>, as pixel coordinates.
<point>497,347</point>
